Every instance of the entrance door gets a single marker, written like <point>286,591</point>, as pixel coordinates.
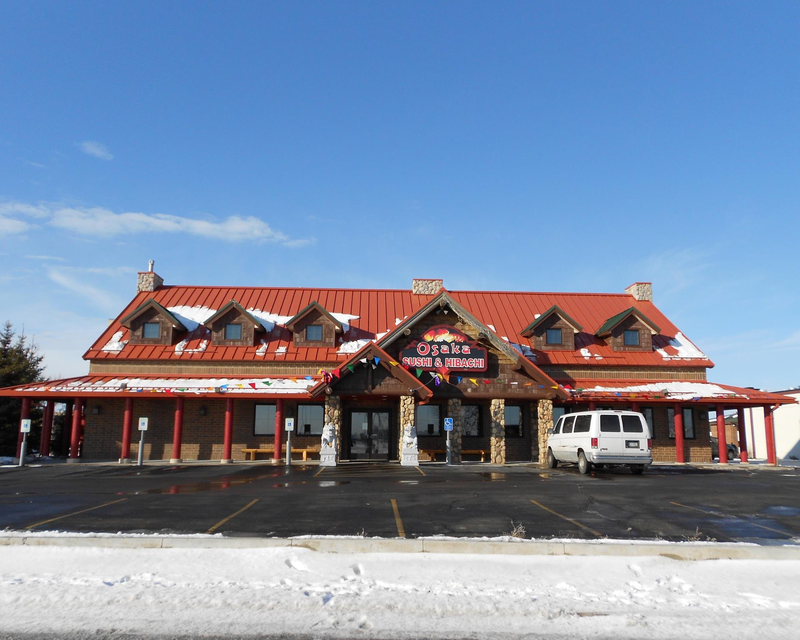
<point>369,435</point>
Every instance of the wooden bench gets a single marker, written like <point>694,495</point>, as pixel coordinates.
<point>302,450</point>
<point>432,453</point>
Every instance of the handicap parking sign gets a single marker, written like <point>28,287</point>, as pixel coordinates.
<point>448,424</point>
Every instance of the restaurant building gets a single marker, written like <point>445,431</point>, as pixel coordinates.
<point>217,370</point>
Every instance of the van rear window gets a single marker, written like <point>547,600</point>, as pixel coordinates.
<point>568,425</point>
<point>609,424</point>
<point>632,424</point>
<point>582,424</point>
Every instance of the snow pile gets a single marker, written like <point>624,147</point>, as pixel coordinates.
<point>353,346</point>
<point>116,344</point>
<point>677,390</point>
<point>262,350</point>
<point>588,355</point>
<point>686,350</point>
<point>295,592</point>
<point>180,348</point>
<point>191,317</point>
<point>524,349</point>
<point>280,351</point>
<point>268,319</point>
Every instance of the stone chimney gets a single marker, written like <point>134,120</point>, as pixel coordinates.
<point>426,286</point>
<point>148,280</point>
<point>641,291</point>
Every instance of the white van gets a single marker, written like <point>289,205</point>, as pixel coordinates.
<point>601,438</point>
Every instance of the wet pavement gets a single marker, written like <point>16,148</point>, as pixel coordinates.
<point>671,503</point>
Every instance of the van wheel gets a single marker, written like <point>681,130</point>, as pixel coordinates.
<point>552,463</point>
<point>584,466</point>
<point>637,469</point>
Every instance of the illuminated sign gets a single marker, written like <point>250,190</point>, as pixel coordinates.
<point>444,347</point>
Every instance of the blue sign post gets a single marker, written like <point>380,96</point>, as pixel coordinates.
<point>448,427</point>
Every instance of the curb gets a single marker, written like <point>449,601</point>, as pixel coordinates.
<point>674,550</point>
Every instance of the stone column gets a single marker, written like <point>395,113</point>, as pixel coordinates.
<point>498,432</point>
<point>545,414</point>
<point>333,415</point>
<point>454,412</point>
<point>406,418</point>
<point>533,429</point>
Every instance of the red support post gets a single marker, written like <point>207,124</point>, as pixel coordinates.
<point>77,418</point>
<point>770,433</point>
<point>66,430</point>
<point>47,428</point>
<point>634,406</point>
<point>276,455</point>
<point>678,419</point>
<point>127,429</point>
<point>592,406</point>
<point>722,440</point>
<point>228,443</point>
<point>177,432</point>
<point>742,436</point>
<point>24,414</point>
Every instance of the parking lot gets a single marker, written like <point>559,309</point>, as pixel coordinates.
<point>671,503</point>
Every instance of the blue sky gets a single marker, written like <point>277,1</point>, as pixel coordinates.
<point>540,146</point>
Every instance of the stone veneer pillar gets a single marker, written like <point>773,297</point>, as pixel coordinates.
<point>498,432</point>
<point>545,413</point>
<point>454,412</point>
<point>533,429</point>
<point>333,415</point>
<point>406,418</point>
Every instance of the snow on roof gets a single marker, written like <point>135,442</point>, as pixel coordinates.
<point>685,349</point>
<point>116,344</point>
<point>677,390</point>
<point>197,386</point>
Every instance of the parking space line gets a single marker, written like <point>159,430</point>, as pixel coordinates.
<point>400,530</point>
<point>233,515</point>
<point>421,471</point>
<point>74,513</point>
<point>321,469</point>
<point>723,515</point>
<point>575,522</point>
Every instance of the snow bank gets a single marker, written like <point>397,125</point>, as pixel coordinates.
<point>293,591</point>
<point>116,344</point>
<point>686,350</point>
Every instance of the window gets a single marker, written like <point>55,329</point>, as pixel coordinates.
<point>688,423</point>
<point>631,338</point>
<point>428,422</point>
<point>553,336</point>
<point>558,412</point>
<point>151,330</point>
<point>583,424</point>
<point>648,416</point>
<point>233,332</point>
<point>632,424</point>
<point>568,422</point>
<point>471,420</point>
<point>513,420</point>
<point>314,332</point>
<point>310,418</point>
<point>557,428</point>
<point>265,420</point>
<point>609,424</point>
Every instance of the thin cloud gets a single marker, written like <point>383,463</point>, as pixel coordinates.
<point>11,226</point>
<point>96,149</point>
<point>95,296</point>
<point>35,164</point>
<point>47,258</point>
<point>99,222</point>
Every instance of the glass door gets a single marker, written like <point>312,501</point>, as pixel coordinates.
<point>369,435</point>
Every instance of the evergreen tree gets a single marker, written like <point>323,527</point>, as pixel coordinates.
<point>20,363</point>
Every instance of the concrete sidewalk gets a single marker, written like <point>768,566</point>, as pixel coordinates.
<point>497,546</point>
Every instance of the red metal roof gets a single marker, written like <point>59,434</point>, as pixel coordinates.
<point>379,310</point>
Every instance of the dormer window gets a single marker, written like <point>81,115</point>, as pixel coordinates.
<point>631,338</point>
<point>629,330</point>
<point>314,332</point>
<point>233,331</point>
<point>554,336</point>
<point>151,330</point>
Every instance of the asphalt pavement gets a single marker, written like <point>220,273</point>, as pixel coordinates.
<point>738,504</point>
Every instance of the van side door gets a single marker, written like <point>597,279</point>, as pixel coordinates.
<point>561,452</point>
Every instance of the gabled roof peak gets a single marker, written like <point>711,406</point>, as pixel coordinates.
<point>555,309</point>
<point>614,321</point>
<point>314,305</point>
